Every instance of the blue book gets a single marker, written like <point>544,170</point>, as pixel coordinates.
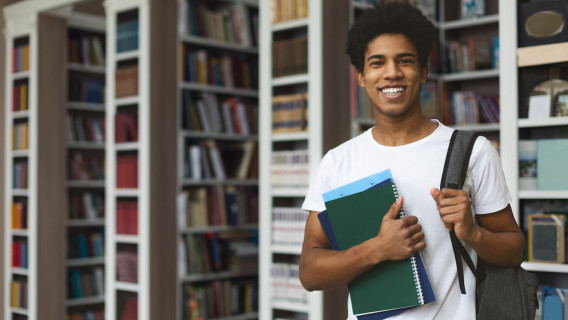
<point>380,180</point>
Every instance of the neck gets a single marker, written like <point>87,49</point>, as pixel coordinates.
<point>392,131</point>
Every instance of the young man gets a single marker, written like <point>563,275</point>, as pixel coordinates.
<point>389,46</point>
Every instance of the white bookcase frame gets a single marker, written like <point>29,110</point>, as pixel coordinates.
<point>19,26</point>
<point>142,100</point>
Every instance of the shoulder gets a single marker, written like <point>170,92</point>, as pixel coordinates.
<point>339,154</point>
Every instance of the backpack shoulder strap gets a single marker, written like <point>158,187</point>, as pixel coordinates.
<point>453,177</point>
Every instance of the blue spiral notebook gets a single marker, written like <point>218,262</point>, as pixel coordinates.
<point>381,180</point>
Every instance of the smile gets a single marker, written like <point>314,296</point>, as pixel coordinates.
<point>393,90</point>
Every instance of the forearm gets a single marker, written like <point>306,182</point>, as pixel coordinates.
<point>322,268</point>
<point>503,248</point>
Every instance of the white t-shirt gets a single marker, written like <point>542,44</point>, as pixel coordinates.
<point>416,168</point>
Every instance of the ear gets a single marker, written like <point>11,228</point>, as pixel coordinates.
<point>360,78</point>
<point>424,74</point>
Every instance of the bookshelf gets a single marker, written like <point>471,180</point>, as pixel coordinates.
<point>300,118</point>
<point>217,159</point>
<point>34,240</point>
<point>85,153</point>
<point>140,200</point>
<point>517,126</point>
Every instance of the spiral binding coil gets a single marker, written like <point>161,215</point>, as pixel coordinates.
<point>412,259</point>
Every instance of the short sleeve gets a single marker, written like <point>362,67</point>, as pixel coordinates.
<point>490,192</point>
<point>321,182</point>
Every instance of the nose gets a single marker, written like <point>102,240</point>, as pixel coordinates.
<point>392,70</point>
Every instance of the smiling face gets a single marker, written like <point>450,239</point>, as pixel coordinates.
<point>392,76</point>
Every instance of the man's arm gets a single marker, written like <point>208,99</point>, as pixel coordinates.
<point>322,268</point>
<point>497,239</point>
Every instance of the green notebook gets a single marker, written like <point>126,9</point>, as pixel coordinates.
<point>389,285</point>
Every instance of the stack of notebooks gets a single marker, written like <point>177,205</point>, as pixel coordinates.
<point>353,214</point>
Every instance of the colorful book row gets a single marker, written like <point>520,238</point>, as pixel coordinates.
<point>86,48</point>
<point>86,245</point>
<point>206,114</point>
<point>290,113</point>
<point>19,215</point>
<point>86,283</point>
<point>217,206</point>
<point>83,166</point>
<point>86,205</point>
<point>82,127</point>
<point>20,96</point>
<point>204,67</point>
<point>290,169</point>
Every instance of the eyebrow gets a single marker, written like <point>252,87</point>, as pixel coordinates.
<point>400,55</point>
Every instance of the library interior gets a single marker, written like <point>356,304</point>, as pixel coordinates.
<point>157,153</point>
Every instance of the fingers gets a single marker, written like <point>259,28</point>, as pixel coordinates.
<point>394,209</point>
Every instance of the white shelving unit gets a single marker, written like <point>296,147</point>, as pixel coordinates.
<point>190,93</point>
<point>512,124</point>
<point>19,31</point>
<point>326,23</point>
<point>39,162</point>
<point>135,37</point>
<point>82,26</point>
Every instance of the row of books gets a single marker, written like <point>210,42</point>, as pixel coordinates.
<point>217,206</point>
<point>86,89</point>
<point>20,174</point>
<point>219,299</point>
<point>125,127</point>
<point>290,169</point>
<point>467,107</point>
<point>127,35</point>
<point>285,283</point>
<point>86,315</point>
<point>19,293</point>
<point>86,283</point>
<point>208,160</point>
<point>287,10</point>
<point>20,96</point>
<point>86,48</point>
<point>127,266</point>
<point>127,217</point>
<point>232,115</point>
<point>86,205</point>
<point>203,67</point>
<point>290,113</point>
<point>288,226</point>
<point>126,81</point>
<point>227,23</point>
<point>289,56</point>
<point>83,245</point>
<point>127,171</point>
<point>84,127</point>
<point>542,164</point>
<point>473,54</point>
<point>85,166</point>
<point>20,136</point>
<point>20,254</point>
<point>19,212</point>
<point>20,57</point>
<point>213,252</point>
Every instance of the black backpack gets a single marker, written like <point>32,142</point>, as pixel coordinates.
<point>502,293</point>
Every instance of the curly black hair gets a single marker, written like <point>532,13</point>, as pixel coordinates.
<point>392,18</point>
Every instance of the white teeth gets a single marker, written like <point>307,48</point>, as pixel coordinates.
<point>392,91</point>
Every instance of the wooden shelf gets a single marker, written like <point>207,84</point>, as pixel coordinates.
<point>544,54</point>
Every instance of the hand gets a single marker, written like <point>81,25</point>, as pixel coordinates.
<point>455,211</point>
<point>399,238</point>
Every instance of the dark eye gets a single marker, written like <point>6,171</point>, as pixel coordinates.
<point>377,63</point>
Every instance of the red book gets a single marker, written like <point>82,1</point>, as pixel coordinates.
<point>130,311</point>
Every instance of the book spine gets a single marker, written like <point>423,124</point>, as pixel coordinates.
<point>417,283</point>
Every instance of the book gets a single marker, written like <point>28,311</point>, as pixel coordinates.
<point>552,157</point>
<point>546,238</point>
<point>373,196</point>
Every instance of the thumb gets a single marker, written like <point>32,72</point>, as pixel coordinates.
<point>435,192</point>
<point>394,209</point>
